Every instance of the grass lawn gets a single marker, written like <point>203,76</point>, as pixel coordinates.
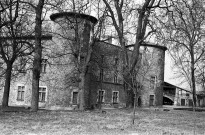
<point>113,122</point>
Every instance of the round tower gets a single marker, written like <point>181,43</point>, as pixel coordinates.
<point>73,29</point>
<point>150,74</point>
<point>71,33</point>
<point>153,57</point>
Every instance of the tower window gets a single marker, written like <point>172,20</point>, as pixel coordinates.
<point>153,80</point>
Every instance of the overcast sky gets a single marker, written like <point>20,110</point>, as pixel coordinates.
<point>169,75</point>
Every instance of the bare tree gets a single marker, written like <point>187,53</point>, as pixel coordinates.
<point>119,11</point>
<point>5,5</point>
<point>37,55</point>
<point>13,40</point>
<point>184,33</point>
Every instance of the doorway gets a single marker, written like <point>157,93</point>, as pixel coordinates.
<point>151,100</point>
<point>182,102</point>
<point>75,98</point>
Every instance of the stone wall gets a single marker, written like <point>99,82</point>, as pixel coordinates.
<point>152,64</point>
<point>56,79</point>
<point>61,82</point>
<point>108,58</point>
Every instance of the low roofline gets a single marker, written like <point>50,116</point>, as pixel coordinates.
<point>177,87</point>
<point>54,16</point>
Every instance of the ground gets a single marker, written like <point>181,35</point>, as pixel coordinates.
<point>113,122</point>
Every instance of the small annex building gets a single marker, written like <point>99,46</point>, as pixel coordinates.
<point>173,95</point>
<point>201,98</point>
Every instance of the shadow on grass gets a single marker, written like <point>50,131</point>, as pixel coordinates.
<point>17,109</point>
<point>191,109</point>
<point>14,109</point>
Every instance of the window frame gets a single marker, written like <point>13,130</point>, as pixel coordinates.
<point>41,96</point>
<point>22,91</point>
<point>73,98</point>
<point>154,81</point>
<point>98,94</point>
<point>151,98</point>
<point>113,97</point>
<point>184,101</point>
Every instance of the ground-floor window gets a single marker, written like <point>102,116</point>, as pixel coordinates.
<point>42,94</point>
<point>115,96</point>
<point>20,94</point>
<point>151,100</point>
<point>75,98</point>
<point>101,97</point>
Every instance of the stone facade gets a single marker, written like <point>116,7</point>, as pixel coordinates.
<point>104,81</point>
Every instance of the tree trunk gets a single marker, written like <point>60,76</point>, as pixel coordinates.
<point>35,82</point>
<point>82,92</point>
<point>135,55</point>
<point>7,85</point>
<point>134,108</point>
<point>37,57</point>
<point>129,91</point>
<point>193,75</point>
<point>193,82</point>
<point>129,99</point>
